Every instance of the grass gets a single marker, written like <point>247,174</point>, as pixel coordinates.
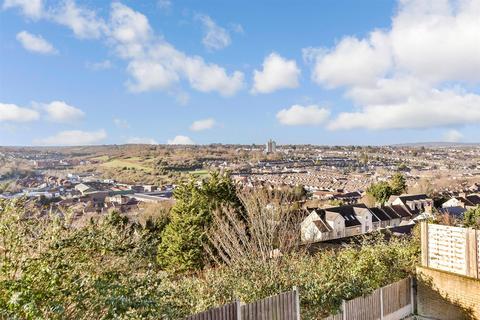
<point>101,158</point>
<point>128,163</point>
<point>134,159</point>
<point>199,172</point>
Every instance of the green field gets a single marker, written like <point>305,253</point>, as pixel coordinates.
<point>128,163</point>
<point>199,172</point>
<point>101,158</point>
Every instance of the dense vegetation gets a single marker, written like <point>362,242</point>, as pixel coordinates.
<point>471,218</point>
<point>183,239</point>
<point>382,190</point>
<point>214,246</point>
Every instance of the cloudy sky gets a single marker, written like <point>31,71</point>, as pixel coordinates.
<point>375,72</point>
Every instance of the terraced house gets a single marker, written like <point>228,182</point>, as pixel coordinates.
<point>344,221</point>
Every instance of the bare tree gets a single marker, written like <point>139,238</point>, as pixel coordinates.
<point>267,228</point>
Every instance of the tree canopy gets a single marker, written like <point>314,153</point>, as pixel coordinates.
<point>471,218</point>
<point>382,190</point>
<point>398,184</point>
<point>184,238</point>
<point>107,269</point>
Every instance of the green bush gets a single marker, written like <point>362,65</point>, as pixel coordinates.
<point>182,246</point>
<point>108,269</point>
<point>471,218</point>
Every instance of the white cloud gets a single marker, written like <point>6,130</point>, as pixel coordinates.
<point>215,37</point>
<point>139,140</point>
<point>35,43</point>
<point>101,65</point>
<point>164,4</point>
<point>164,66</point>
<point>204,124</point>
<point>120,123</point>
<point>82,21</point>
<point>60,111</point>
<point>154,64</point>
<point>387,91</point>
<point>413,75</point>
<point>209,77</point>
<point>181,97</point>
<point>278,73</point>
<point>351,62</point>
<point>30,8</point>
<point>303,115</point>
<point>434,108</point>
<point>237,28</point>
<point>14,113</point>
<point>150,75</point>
<point>181,140</point>
<point>129,30</point>
<point>453,136</point>
<point>438,40</point>
<point>73,138</point>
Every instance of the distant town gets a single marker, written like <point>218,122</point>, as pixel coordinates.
<point>332,180</point>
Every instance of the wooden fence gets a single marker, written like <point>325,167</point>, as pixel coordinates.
<point>226,312</point>
<point>451,249</point>
<point>284,306</point>
<point>392,302</point>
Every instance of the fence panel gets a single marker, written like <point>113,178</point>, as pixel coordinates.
<point>285,306</point>
<point>447,248</point>
<point>392,302</point>
<point>364,308</point>
<point>396,296</point>
<point>477,235</point>
<point>338,316</point>
<point>280,307</point>
<point>225,312</point>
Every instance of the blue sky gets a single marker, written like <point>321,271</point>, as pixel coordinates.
<point>321,72</point>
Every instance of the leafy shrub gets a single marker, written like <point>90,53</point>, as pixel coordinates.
<point>107,269</point>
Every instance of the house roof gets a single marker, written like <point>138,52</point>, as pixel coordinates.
<point>391,213</point>
<point>409,197</point>
<point>348,213</point>
<point>354,194</point>
<point>402,211</point>
<point>82,187</point>
<point>465,201</point>
<point>360,205</point>
<point>379,214</point>
<point>474,199</point>
<point>322,226</point>
<point>453,211</point>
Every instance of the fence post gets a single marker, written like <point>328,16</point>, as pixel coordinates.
<point>238,310</point>
<point>412,295</point>
<point>297,303</point>
<point>381,303</point>
<point>477,239</point>
<point>471,252</point>
<point>424,242</point>
<point>344,310</point>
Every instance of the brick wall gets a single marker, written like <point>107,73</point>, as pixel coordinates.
<point>447,296</point>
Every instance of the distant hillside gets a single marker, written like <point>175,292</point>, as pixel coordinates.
<point>438,144</point>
